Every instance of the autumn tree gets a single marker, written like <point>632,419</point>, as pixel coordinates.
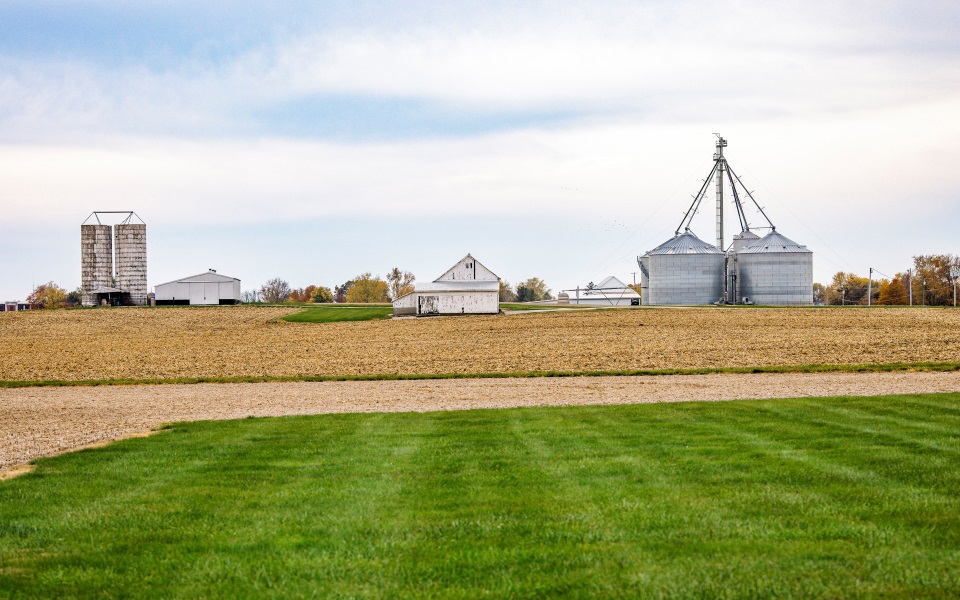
<point>894,292</point>
<point>532,290</point>
<point>931,281</point>
<point>847,288</point>
<point>506,292</point>
<point>302,294</point>
<point>48,295</point>
<point>635,287</point>
<point>366,288</point>
<point>401,282</point>
<point>819,293</point>
<point>275,290</point>
<point>322,295</point>
<point>340,291</point>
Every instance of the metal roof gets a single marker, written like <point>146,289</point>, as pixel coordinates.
<point>746,234</point>
<point>685,243</point>
<point>208,277</point>
<point>774,242</point>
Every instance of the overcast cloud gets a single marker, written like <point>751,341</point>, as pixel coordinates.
<point>279,142</point>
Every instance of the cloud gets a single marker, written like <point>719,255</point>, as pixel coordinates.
<point>656,61</point>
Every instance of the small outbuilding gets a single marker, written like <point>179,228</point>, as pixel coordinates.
<point>609,292</point>
<point>467,288</point>
<point>205,289</point>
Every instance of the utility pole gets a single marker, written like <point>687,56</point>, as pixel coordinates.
<point>634,273</point>
<point>955,273</point>
<point>870,288</point>
<point>910,277</point>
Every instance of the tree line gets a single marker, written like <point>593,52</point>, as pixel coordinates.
<point>368,288</point>
<point>931,281</point>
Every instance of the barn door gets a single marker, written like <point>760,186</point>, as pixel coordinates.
<point>429,305</point>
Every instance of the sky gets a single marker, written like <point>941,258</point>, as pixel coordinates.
<point>317,141</point>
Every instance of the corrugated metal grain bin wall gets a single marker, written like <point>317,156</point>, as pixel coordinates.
<point>683,270</point>
<point>776,270</point>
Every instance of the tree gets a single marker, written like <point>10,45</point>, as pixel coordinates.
<point>249,296</point>
<point>506,292</point>
<point>635,287</point>
<point>75,298</point>
<point>322,295</point>
<point>847,288</point>
<point>401,282</point>
<point>532,290</point>
<point>893,292</point>
<point>367,288</point>
<point>931,281</point>
<point>303,294</point>
<point>48,295</point>
<point>275,290</point>
<point>340,291</point>
<point>819,293</point>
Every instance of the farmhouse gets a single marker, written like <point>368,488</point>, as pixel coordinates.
<point>467,287</point>
<point>196,290</point>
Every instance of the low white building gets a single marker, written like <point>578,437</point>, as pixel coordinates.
<point>198,290</point>
<point>609,292</point>
<point>467,288</point>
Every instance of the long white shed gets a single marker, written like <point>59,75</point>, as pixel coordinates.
<point>199,290</point>
<point>467,288</point>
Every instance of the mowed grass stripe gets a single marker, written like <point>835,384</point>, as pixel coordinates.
<point>813,368</point>
<point>794,498</point>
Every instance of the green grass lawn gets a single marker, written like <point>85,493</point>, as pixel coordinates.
<point>332,313</point>
<point>835,497</point>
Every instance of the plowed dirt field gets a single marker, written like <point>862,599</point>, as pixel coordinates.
<point>132,343</point>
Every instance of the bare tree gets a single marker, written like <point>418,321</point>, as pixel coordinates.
<point>249,296</point>
<point>401,282</point>
<point>275,290</point>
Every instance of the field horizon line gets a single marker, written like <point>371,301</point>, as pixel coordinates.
<point>760,369</point>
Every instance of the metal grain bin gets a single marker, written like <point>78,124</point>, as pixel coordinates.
<point>776,270</point>
<point>683,270</point>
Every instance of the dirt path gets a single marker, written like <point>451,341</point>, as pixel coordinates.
<point>36,422</point>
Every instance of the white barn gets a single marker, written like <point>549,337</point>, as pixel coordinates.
<point>198,290</point>
<point>467,288</point>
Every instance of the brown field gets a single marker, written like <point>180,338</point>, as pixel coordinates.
<point>247,341</point>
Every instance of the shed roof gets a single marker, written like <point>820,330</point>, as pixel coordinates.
<point>208,277</point>
<point>685,243</point>
<point>775,242</point>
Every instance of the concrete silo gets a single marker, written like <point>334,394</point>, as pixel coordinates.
<point>131,260</point>
<point>682,270</point>
<point>113,260</point>
<point>776,270</point>
<point>96,261</point>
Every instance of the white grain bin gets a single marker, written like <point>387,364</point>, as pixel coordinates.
<point>682,270</point>
<point>775,270</point>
